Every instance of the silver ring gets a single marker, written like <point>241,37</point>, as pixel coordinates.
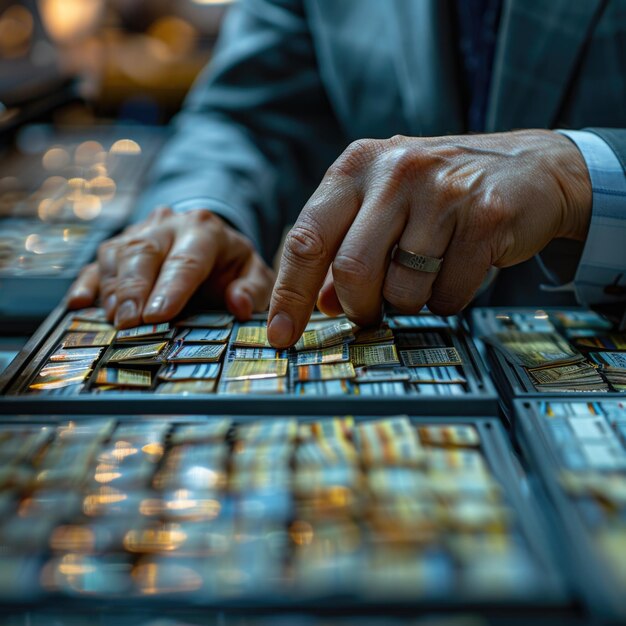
<point>419,262</point>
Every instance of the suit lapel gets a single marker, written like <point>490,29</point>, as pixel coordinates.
<point>538,48</point>
<point>425,58</point>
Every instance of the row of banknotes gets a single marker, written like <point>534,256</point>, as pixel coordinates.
<point>224,508</point>
<point>210,353</point>
<point>564,351</point>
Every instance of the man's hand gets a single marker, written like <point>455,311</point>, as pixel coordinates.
<point>149,272</point>
<point>476,201</point>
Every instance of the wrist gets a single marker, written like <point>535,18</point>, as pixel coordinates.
<point>572,176</point>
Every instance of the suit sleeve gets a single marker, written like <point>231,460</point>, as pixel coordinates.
<point>257,132</point>
<point>601,274</point>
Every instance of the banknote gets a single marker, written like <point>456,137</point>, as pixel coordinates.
<point>204,335</point>
<point>534,349</point>
<point>214,430</point>
<point>374,354</point>
<point>321,453</point>
<point>190,371</point>
<point>418,321</point>
<point>57,382</point>
<point>75,354</point>
<point>424,339</point>
<point>383,334</point>
<point>339,332</point>
<point>136,353</point>
<point>430,356</point>
<point>333,354</point>
<point>244,370</point>
<point>208,319</point>
<point>610,360</point>
<point>613,367</point>
<point>612,341</point>
<point>561,373</point>
<point>573,318</point>
<point>382,389</point>
<point>382,374</point>
<point>391,441</point>
<point>251,336</point>
<point>187,387</point>
<point>88,340</point>
<point>64,368</point>
<point>326,371</point>
<point>454,435</point>
<point>119,377</point>
<point>328,428</point>
<point>145,331</point>
<point>446,389</point>
<point>443,374</point>
<point>92,314</point>
<point>256,354</point>
<point>189,353</point>
<point>324,388</point>
<point>87,327</point>
<point>262,386</point>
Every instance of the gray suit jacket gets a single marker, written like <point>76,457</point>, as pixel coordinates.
<point>294,81</point>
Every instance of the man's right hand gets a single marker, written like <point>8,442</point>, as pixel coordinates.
<point>150,271</point>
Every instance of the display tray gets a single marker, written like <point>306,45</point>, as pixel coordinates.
<point>577,449</point>
<point>246,513</point>
<point>295,388</point>
<point>585,332</point>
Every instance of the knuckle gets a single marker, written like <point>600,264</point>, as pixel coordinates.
<point>490,216</point>
<point>304,244</point>
<point>353,271</point>
<point>397,139</point>
<point>108,245</point>
<point>445,302</point>
<point>403,297</point>
<point>108,286</point>
<point>362,146</point>
<point>288,296</point>
<point>161,212</point>
<point>139,246</point>
<point>357,155</point>
<point>129,287</point>
<point>184,263</point>
<point>402,162</point>
<point>201,216</point>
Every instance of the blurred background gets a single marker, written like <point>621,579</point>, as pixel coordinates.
<point>87,88</point>
<point>131,60</point>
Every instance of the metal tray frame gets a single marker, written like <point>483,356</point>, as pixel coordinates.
<point>591,578</point>
<point>555,602</point>
<point>512,381</point>
<point>482,400</point>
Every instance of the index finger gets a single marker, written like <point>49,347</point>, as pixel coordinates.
<point>309,249</point>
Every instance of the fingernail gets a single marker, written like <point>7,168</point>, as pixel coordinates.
<point>80,292</point>
<point>280,330</point>
<point>126,312</point>
<point>109,304</point>
<point>156,305</point>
